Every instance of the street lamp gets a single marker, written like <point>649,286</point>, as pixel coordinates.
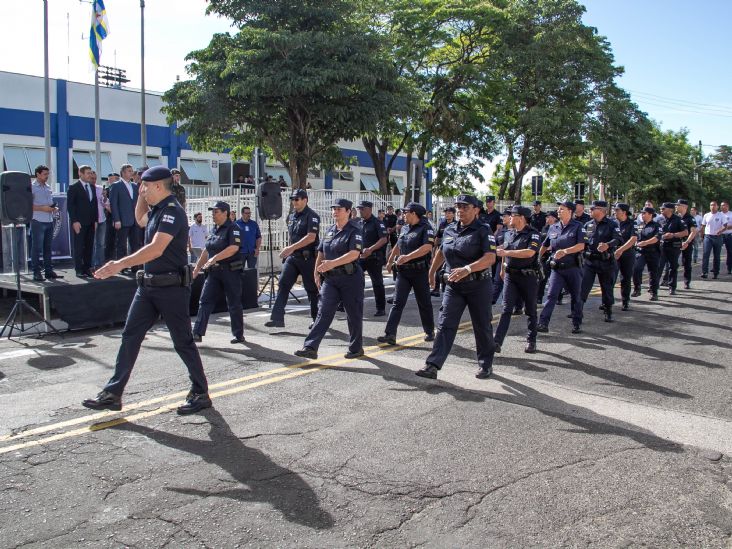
<point>697,172</point>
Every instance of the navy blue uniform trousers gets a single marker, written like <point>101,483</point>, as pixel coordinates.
<point>624,269</point>
<point>221,281</point>
<point>346,289</point>
<point>373,266</point>
<point>652,260</point>
<point>518,288</point>
<point>671,258</point>
<point>476,296</point>
<point>566,278</point>
<point>686,260</point>
<point>405,282</point>
<point>296,265</point>
<point>605,272</point>
<point>147,306</point>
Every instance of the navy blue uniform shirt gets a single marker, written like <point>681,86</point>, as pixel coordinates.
<point>492,219</point>
<point>414,237</point>
<point>647,232</point>
<point>672,224</point>
<point>527,238</point>
<point>538,220</point>
<point>221,238</point>
<point>584,218</point>
<point>464,245</point>
<point>560,237</point>
<point>689,221</point>
<point>303,223</point>
<point>390,221</point>
<point>597,232</point>
<point>627,229</point>
<point>373,230</point>
<point>168,217</point>
<point>441,227</point>
<point>337,243</point>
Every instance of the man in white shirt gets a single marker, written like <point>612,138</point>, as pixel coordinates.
<point>727,234</point>
<point>197,236</point>
<point>100,234</point>
<point>714,225</point>
<point>699,236</point>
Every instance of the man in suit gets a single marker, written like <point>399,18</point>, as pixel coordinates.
<point>81,202</point>
<point>122,200</point>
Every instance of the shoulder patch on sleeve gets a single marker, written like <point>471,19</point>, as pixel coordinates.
<point>168,218</point>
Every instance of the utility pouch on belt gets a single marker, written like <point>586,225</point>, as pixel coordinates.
<point>186,276</point>
<point>236,265</point>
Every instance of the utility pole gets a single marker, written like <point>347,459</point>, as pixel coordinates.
<point>46,90</point>
<point>143,129</point>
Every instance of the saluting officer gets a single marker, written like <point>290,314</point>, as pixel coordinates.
<point>625,254</point>
<point>544,260</point>
<point>469,250</point>
<point>520,272</point>
<point>299,256</point>
<point>538,218</point>
<point>373,257</point>
<point>602,236</point>
<point>566,240</point>
<point>444,223</point>
<point>687,246</point>
<point>673,230</point>
<point>163,289</point>
<point>411,259</point>
<point>648,252</point>
<point>223,266</point>
<point>340,280</point>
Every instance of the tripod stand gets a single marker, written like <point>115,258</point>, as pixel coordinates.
<point>272,276</point>
<point>15,318</point>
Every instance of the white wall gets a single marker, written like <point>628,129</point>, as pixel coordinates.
<point>20,91</point>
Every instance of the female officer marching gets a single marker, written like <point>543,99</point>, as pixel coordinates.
<point>411,255</point>
<point>340,279</point>
<point>468,249</point>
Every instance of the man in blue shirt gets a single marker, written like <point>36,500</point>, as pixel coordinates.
<point>251,238</point>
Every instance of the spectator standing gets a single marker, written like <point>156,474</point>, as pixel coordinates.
<point>197,236</point>
<point>82,207</point>
<point>713,226</point>
<point>179,191</point>
<point>122,201</point>
<point>699,237</point>
<point>42,225</point>
<point>251,238</point>
<point>99,257</point>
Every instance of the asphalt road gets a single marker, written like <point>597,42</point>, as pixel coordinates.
<point>617,437</point>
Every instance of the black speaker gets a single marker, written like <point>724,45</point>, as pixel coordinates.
<point>16,197</point>
<point>269,202</point>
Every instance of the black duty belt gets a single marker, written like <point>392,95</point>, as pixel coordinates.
<point>562,266</point>
<point>480,275</point>
<point>303,254</point>
<point>163,280</point>
<point>599,256</point>
<point>233,266</point>
<point>347,269</point>
<point>528,271</point>
<point>671,245</point>
<point>412,266</point>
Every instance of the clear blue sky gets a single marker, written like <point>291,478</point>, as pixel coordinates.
<point>676,55</point>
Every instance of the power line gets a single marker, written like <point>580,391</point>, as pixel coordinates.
<point>676,100</point>
<point>684,110</point>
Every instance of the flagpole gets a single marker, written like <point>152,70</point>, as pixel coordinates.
<point>46,88</point>
<point>97,136</point>
<point>143,129</point>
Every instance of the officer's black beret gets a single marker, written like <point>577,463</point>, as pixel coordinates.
<point>365,204</point>
<point>649,210</point>
<point>507,211</point>
<point>537,202</point>
<point>342,203</point>
<point>220,205</point>
<point>450,209</point>
<point>156,173</point>
<point>598,204</point>
<point>669,205</point>
<point>468,199</point>
<point>552,213</point>
<point>682,202</point>
<point>416,208</point>
<point>490,198</point>
<point>521,210</point>
<point>579,202</point>
<point>567,204</point>
<point>298,193</point>
<point>622,206</point>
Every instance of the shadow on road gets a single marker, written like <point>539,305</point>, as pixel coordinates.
<point>260,478</point>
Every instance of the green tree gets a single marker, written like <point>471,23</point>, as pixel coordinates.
<point>297,77</point>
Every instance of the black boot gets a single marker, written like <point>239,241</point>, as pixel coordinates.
<point>626,305</point>
<point>636,292</point>
<point>608,313</point>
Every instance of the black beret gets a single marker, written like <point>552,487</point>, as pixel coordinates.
<point>450,209</point>
<point>342,203</point>
<point>579,202</point>
<point>682,202</point>
<point>468,199</point>
<point>365,204</point>
<point>669,205</point>
<point>649,210</point>
<point>415,208</point>
<point>537,202</point>
<point>552,213</point>
<point>599,204</point>
<point>521,210</point>
<point>622,206</point>
<point>156,173</point>
<point>221,206</point>
<point>490,198</point>
<point>567,204</point>
<point>298,193</point>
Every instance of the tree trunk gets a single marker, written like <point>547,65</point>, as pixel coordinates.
<point>506,179</point>
<point>378,159</point>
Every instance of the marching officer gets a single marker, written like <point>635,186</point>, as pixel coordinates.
<point>490,216</point>
<point>673,230</point>
<point>566,240</point>
<point>500,235</point>
<point>687,247</point>
<point>411,259</point>
<point>602,236</point>
<point>468,250</point>
<point>221,262</point>
<point>304,228</point>
<point>520,272</point>
<point>648,252</point>
<point>538,218</point>
<point>551,218</point>
<point>373,257</point>
<point>579,212</point>
<point>163,289</point>
<point>340,280</point>
<point>625,254</point>
<point>448,220</point>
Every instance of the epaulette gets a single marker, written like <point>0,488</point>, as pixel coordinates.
<point>171,204</point>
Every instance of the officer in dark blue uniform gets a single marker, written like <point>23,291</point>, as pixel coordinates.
<point>544,260</point>
<point>566,240</point>
<point>163,289</point>
<point>223,267</point>
<point>469,250</point>
<point>373,257</point>
<point>625,254</point>
<point>520,272</point>
<point>448,220</point>
<point>687,246</point>
<point>411,259</point>
<point>341,280</point>
<point>602,236</point>
<point>500,235</point>
<point>673,231</point>
<point>538,218</point>
<point>299,257</point>
<point>490,216</point>
<point>648,252</point>
<point>579,212</point>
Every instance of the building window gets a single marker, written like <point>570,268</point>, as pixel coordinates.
<point>343,175</point>
<point>315,173</point>
<point>23,159</point>
<point>195,172</point>
<point>88,158</point>
<point>135,160</point>
<point>397,183</point>
<point>369,182</point>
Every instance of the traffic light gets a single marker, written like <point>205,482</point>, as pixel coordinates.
<point>579,190</point>
<point>537,185</point>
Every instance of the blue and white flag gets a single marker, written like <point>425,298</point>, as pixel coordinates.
<point>99,31</point>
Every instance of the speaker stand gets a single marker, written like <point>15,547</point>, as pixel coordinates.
<point>272,276</point>
<point>15,320</point>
